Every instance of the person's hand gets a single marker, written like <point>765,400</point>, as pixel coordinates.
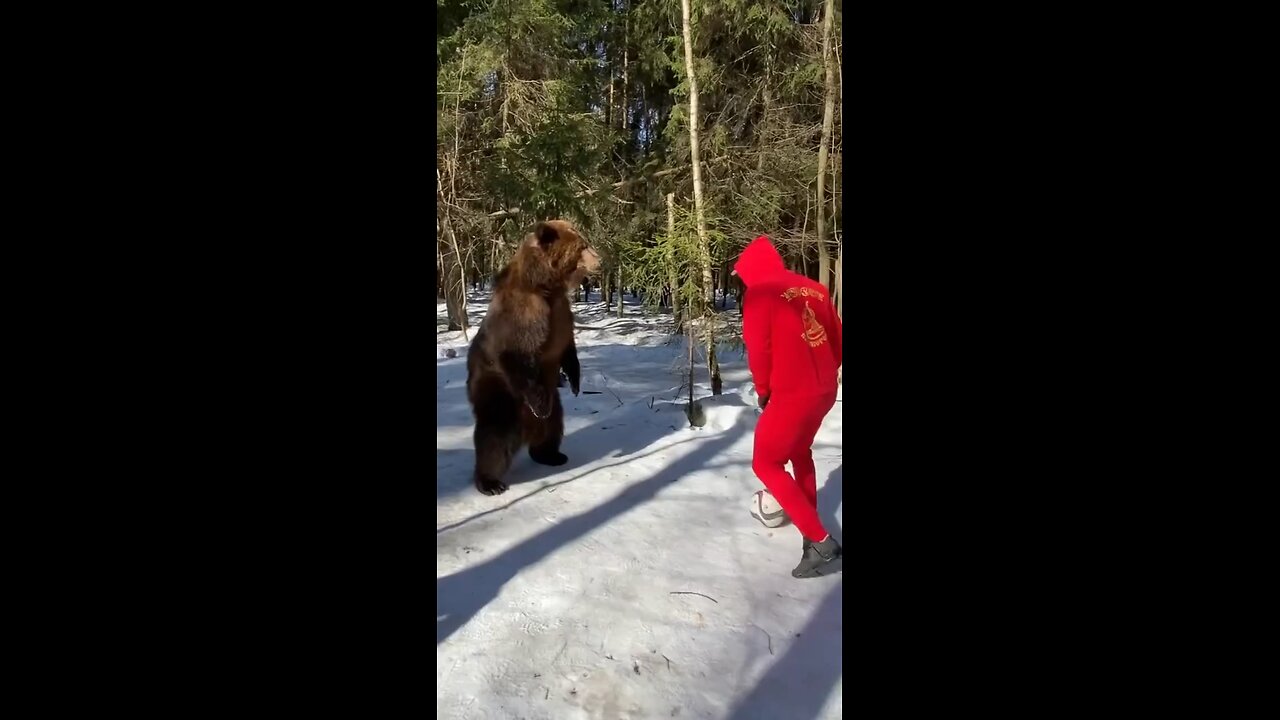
<point>762,400</point>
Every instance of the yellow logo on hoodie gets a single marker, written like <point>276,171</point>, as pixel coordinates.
<point>814,333</point>
<point>792,293</point>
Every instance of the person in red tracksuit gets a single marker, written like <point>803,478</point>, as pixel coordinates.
<point>792,334</point>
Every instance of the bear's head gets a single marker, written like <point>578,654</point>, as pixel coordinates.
<point>555,256</point>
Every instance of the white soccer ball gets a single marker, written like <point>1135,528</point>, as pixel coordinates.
<point>765,508</point>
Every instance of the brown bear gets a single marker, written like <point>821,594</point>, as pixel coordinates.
<point>524,341</point>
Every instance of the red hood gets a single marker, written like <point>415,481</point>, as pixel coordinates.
<point>759,261</point>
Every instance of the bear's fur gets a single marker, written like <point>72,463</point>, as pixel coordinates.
<point>516,357</point>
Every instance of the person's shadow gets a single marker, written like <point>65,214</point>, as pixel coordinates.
<point>799,684</point>
<point>830,499</point>
<point>813,664</point>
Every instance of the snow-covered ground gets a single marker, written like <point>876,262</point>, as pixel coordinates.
<point>630,582</point>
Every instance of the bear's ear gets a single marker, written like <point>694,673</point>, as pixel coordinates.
<point>545,233</point>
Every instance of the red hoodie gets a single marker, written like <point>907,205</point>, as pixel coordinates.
<point>789,325</point>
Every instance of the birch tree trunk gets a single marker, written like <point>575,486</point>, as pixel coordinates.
<point>828,117</point>
<point>704,244</point>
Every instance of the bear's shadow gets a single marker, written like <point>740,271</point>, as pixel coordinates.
<point>463,594</point>
<point>619,435</point>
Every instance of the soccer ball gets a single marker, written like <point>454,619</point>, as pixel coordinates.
<point>765,508</point>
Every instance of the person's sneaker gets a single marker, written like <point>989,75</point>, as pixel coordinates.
<point>817,557</point>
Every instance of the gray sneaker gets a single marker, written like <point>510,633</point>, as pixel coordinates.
<point>817,558</point>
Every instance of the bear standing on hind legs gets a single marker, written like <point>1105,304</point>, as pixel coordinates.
<point>525,339</point>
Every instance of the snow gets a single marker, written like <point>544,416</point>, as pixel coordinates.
<point>572,595</point>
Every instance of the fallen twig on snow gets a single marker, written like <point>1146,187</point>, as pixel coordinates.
<point>689,592</point>
<point>611,392</point>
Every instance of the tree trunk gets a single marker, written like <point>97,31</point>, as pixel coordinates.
<point>837,294</point>
<point>620,291</point>
<point>626,49</point>
<point>828,115</point>
<point>764,115</point>
<point>462,280</point>
<point>506,99</point>
<point>713,363</point>
<point>671,264</point>
<point>455,294</point>
<point>835,206</point>
<point>840,300</point>
<point>455,282</point>
<point>439,258</point>
<point>704,245</point>
<point>451,307</point>
<point>691,340</point>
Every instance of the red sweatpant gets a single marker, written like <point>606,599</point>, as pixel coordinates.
<point>785,432</point>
